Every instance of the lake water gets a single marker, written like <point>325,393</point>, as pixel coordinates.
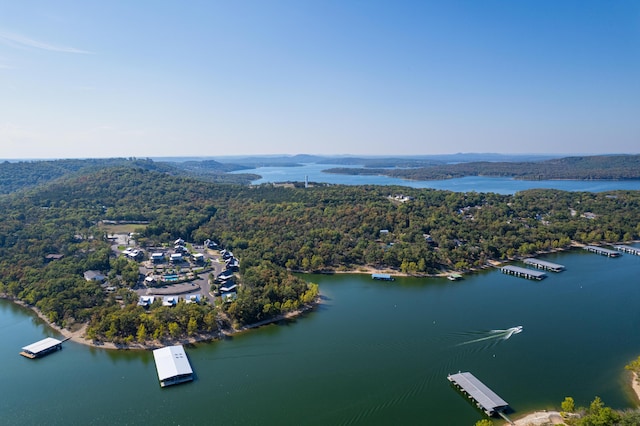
<point>374,353</point>
<point>467,184</point>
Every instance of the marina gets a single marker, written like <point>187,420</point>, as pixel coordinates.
<point>542,264</point>
<point>484,398</point>
<point>42,347</point>
<point>172,365</point>
<point>523,272</point>
<point>602,251</point>
<point>628,249</point>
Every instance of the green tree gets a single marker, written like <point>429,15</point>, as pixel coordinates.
<point>141,335</point>
<point>568,405</point>
<point>484,422</point>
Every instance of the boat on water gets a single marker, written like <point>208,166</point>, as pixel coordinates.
<point>454,277</point>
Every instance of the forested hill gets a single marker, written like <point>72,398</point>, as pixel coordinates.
<point>273,231</point>
<point>15,176</point>
<point>580,168</point>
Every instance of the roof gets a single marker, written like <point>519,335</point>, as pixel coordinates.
<point>171,361</point>
<point>479,391</point>
<point>551,265</point>
<point>42,345</point>
<point>524,271</point>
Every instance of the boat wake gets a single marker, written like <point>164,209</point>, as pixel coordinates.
<point>495,335</point>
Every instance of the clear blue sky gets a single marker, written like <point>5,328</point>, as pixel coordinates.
<point>206,78</point>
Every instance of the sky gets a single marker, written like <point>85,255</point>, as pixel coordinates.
<point>124,78</point>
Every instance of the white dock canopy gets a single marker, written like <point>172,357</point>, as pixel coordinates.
<point>42,346</point>
<point>487,399</point>
<point>172,365</point>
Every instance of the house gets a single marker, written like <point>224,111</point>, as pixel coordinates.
<point>225,275</point>
<point>210,244</point>
<point>229,297</point>
<point>94,276</point>
<point>193,298</point>
<point>176,258</point>
<point>51,257</point>
<point>150,280</point>
<point>198,257</point>
<point>178,242</point>
<point>229,287</point>
<point>146,301</point>
<point>157,257</point>
<point>169,301</point>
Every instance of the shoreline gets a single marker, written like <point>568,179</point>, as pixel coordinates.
<point>77,335</point>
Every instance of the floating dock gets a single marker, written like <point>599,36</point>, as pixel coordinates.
<point>484,398</point>
<point>628,249</point>
<point>172,365</point>
<point>602,251</point>
<point>541,264</point>
<point>523,272</point>
<point>382,277</point>
<point>42,347</point>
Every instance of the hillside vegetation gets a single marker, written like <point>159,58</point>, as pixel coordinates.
<point>274,231</point>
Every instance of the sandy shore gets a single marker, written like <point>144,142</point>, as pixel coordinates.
<point>635,384</point>
<point>539,418</point>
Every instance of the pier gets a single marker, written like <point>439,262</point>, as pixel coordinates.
<point>602,251</point>
<point>42,347</point>
<point>382,277</point>
<point>484,398</point>
<point>541,264</point>
<point>628,249</point>
<point>523,272</point>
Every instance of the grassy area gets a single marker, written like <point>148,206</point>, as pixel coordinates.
<point>122,229</point>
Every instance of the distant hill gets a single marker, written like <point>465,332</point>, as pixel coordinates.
<point>601,167</point>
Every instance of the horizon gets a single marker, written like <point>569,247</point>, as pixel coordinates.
<point>542,156</point>
<point>142,79</point>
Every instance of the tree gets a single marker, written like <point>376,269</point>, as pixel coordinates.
<point>484,422</point>
<point>141,335</point>
<point>568,405</point>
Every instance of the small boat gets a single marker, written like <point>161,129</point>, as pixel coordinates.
<point>454,277</point>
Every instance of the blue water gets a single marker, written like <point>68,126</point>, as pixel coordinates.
<point>315,173</point>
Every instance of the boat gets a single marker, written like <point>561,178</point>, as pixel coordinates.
<point>454,277</point>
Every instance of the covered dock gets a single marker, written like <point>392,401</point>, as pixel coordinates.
<point>602,251</point>
<point>172,365</point>
<point>382,277</point>
<point>523,272</point>
<point>41,348</point>
<point>628,249</point>
<point>484,398</point>
<point>542,264</point>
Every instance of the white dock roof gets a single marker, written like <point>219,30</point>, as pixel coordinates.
<point>171,361</point>
<point>489,400</point>
<point>41,345</point>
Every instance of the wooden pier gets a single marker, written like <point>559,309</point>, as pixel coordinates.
<point>628,249</point>
<point>602,251</point>
<point>484,398</point>
<point>523,272</point>
<point>541,264</point>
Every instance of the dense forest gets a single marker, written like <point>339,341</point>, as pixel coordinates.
<point>581,168</point>
<point>274,231</point>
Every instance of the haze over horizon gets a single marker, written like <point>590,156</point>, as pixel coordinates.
<point>375,78</point>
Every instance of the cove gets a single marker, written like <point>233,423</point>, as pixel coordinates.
<point>372,353</point>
